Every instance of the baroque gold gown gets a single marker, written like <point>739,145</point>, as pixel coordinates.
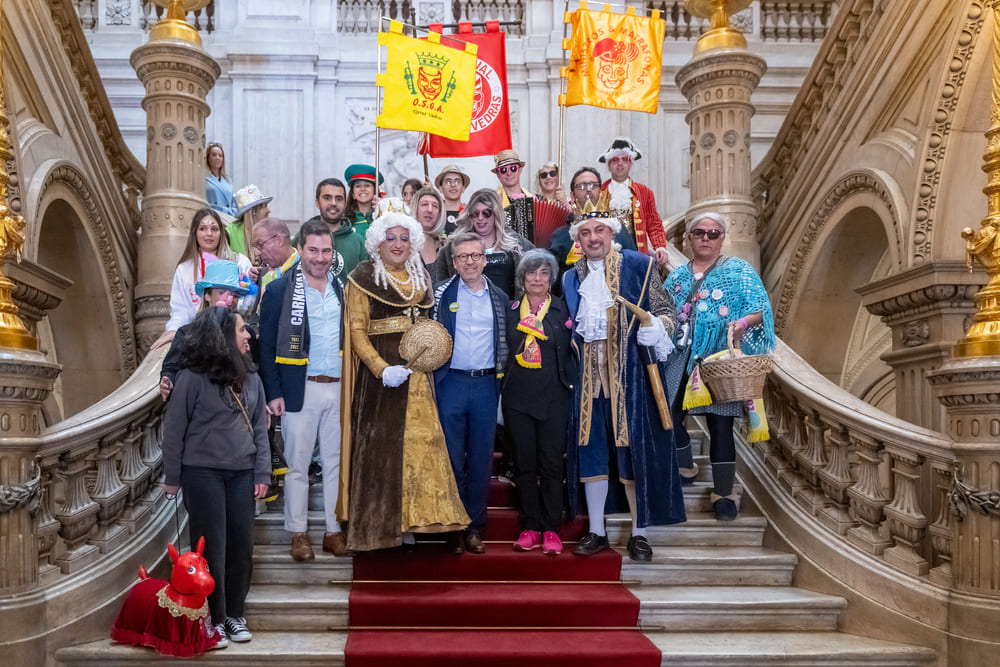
<point>395,472</point>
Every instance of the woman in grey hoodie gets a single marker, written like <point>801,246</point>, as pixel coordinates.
<point>215,449</point>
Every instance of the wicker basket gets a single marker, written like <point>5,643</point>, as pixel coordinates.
<point>737,378</point>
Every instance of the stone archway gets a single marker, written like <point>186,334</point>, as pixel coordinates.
<point>822,324</point>
<point>83,327</point>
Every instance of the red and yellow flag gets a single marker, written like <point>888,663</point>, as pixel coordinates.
<point>614,60</point>
<point>428,87</point>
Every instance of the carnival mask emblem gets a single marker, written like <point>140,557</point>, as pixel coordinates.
<point>429,83</point>
<point>613,61</point>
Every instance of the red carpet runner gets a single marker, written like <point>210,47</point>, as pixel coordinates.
<point>437,609</point>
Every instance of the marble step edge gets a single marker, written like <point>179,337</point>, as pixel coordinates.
<point>679,608</point>
<point>674,565</point>
<point>680,649</point>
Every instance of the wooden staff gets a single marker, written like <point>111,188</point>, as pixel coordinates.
<point>648,355</point>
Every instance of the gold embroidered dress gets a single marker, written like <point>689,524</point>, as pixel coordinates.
<point>395,471</point>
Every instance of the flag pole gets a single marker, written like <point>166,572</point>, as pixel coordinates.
<point>562,89</point>
<point>378,101</point>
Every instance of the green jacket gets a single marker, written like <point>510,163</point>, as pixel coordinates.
<point>234,232</point>
<point>361,223</point>
<point>347,243</point>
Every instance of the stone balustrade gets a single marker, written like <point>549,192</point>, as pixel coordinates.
<point>358,16</point>
<point>119,12</point>
<point>872,482</point>
<point>100,477</point>
<point>764,20</point>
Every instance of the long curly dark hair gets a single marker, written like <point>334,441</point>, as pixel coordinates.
<point>210,348</point>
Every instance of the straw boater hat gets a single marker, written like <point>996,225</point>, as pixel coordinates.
<point>452,169</point>
<point>248,197</point>
<point>504,158</point>
<point>620,146</point>
<point>425,346</point>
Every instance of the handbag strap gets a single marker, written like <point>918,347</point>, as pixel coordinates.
<point>242,409</point>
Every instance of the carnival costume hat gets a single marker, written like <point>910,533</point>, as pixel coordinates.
<point>248,197</point>
<point>620,147</point>
<point>362,172</point>
<point>506,157</point>
<point>222,274</point>
<point>590,212</point>
<point>452,169</point>
<point>390,213</point>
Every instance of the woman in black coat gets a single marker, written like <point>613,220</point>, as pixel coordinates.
<point>535,398</point>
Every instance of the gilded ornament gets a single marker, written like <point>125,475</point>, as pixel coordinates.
<point>720,34</point>
<point>174,26</point>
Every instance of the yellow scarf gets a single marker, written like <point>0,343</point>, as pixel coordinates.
<point>531,325</point>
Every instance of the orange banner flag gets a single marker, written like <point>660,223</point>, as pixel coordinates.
<point>614,60</point>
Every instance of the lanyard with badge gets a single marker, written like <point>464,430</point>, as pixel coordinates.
<point>687,327</point>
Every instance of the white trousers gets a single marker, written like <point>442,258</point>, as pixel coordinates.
<point>319,417</point>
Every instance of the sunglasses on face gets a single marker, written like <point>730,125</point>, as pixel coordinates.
<point>485,214</point>
<point>712,234</point>
<point>548,174</point>
<point>512,169</point>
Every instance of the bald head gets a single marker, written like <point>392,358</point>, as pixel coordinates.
<point>272,241</point>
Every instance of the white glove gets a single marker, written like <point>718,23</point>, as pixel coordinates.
<point>393,376</point>
<point>655,336</point>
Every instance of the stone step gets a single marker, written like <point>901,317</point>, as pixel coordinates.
<point>787,649</point>
<point>316,608</point>
<point>711,566</point>
<point>671,566</point>
<point>701,529</point>
<point>680,649</point>
<point>697,498</point>
<point>737,608</point>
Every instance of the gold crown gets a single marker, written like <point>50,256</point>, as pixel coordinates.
<point>589,210</point>
<point>432,60</point>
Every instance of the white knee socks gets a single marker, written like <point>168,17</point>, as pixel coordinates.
<point>597,494</point>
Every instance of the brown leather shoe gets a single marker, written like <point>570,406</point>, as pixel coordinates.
<point>474,542</point>
<point>335,543</point>
<point>301,549</point>
<point>455,543</point>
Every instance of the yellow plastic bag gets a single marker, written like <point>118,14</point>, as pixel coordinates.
<point>696,394</point>
<point>758,421</point>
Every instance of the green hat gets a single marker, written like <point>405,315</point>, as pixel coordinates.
<point>361,172</point>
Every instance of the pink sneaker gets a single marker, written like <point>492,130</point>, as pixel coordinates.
<point>551,544</point>
<point>529,539</point>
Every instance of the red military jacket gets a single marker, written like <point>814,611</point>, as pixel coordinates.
<point>646,221</point>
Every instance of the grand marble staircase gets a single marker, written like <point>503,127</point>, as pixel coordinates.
<point>713,595</point>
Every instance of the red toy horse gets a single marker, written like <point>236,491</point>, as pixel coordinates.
<point>170,617</point>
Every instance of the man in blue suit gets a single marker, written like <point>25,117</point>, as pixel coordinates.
<point>301,338</point>
<point>472,309</point>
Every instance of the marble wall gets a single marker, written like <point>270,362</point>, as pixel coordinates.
<point>296,99</point>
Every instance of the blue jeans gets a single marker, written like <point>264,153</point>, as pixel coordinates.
<point>468,410</point>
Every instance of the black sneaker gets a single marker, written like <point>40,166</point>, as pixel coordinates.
<point>639,549</point>
<point>591,544</point>
<point>236,628</point>
<point>272,490</point>
<point>315,473</point>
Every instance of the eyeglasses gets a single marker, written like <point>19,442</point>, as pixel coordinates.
<point>511,168</point>
<point>586,186</point>
<point>470,256</point>
<point>258,245</point>
<point>485,214</point>
<point>548,174</point>
<point>712,234</point>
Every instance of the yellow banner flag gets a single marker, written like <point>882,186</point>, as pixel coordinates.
<point>615,60</point>
<point>428,86</point>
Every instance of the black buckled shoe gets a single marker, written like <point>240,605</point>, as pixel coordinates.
<point>639,549</point>
<point>725,509</point>
<point>591,544</point>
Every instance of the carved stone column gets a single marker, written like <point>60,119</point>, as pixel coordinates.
<point>928,309</point>
<point>177,74</point>
<point>718,83</point>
